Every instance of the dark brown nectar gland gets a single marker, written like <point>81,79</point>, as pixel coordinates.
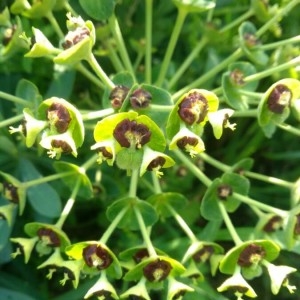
<point>279,99</point>
<point>140,98</point>
<point>273,224</point>
<point>118,95</point>
<point>252,254</point>
<point>96,256</point>
<point>49,237</point>
<point>186,140</point>
<point>131,134</point>
<point>75,36</point>
<point>155,163</point>
<point>64,146</point>
<point>105,152</point>
<point>193,108</point>
<point>140,255</point>
<point>203,254</point>
<point>10,192</point>
<point>59,116</point>
<point>157,270</point>
<point>107,295</point>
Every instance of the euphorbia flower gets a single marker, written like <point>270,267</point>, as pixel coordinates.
<point>139,291</point>
<point>177,289</point>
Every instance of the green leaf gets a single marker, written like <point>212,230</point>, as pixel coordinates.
<point>162,202</point>
<point>99,10</point>
<point>86,188</point>
<point>232,82</point>
<point>5,230</point>
<point>229,262</point>
<point>11,294</point>
<point>27,91</point>
<point>129,220</point>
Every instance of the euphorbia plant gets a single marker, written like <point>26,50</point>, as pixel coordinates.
<point>149,149</point>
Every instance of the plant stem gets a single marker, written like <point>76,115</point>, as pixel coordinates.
<point>185,227</point>
<point>89,163</point>
<point>187,62</point>
<point>146,237</point>
<point>289,128</point>
<point>161,108</point>
<point>237,240</point>
<point>15,99</point>
<point>255,95</point>
<point>83,70</point>
<point>247,113</point>
<point>133,183</point>
<point>208,75</point>
<point>99,71</point>
<point>69,204</point>
<point>293,62</point>
<point>70,9</point>
<point>41,180</point>
<point>115,29</point>
<point>156,184</point>
<point>193,168</point>
<point>262,206</point>
<point>148,35</point>
<point>11,120</point>
<point>114,56</point>
<point>294,39</point>
<point>54,24</point>
<point>86,116</point>
<point>277,17</point>
<point>217,164</point>
<point>111,228</point>
<point>182,13</point>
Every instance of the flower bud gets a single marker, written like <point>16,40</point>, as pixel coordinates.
<point>118,95</point>
<point>279,98</point>
<point>157,270</point>
<point>130,134</point>
<point>140,98</point>
<point>193,108</point>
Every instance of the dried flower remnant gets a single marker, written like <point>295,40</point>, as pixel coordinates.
<point>252,254</point>
<point>203,254</point>
<point>193,108</point>
<point>10,192</point>
<point>157,270</point>
<point>118,95</point>
<point>96,256</point>
<point>130,134</point>
<point>140,98</point>
<point>279,99</point>
<point>59,116</point>
<point>75,36</point>
<point>49,237</point>
<point>273,224</point>
<point>250,40</point>
<point>237,77</point>
<point>224,191</point>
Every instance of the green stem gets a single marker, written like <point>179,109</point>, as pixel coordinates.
<point>146,237</point>
<point>55,25</point>
<point>11,120</point>
<point>99,71</point>
<point>161,108</point>
<point>84,71</point>
<point>289,128</point>
<point>70,9</point>
<point>86,116</point>
<point>187,62</point>
<point>115,29</point>
<point>247,113</point>
<point>217,164</point>
<point>15,99</point>
<point>89,163</point>
<point>237,21</point>
<point>41,180</point>
<point>255,95</point>
<point>184,226</point>
<point>210,74</point>
<point>237,240</point>
<point>148,35</point>
<point>114,56</point>
<point>182,13</point>
<point>262,206</point>
<point>294,39</point>
<point>69,204</point>
<point>193,168</point>
<point>133,183</point>
<point>278,16</point>
<point>111,228</point>
<point>270,71</point>
<point>156,184</point>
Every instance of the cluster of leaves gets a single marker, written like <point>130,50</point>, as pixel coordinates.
<point>85,134</point>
